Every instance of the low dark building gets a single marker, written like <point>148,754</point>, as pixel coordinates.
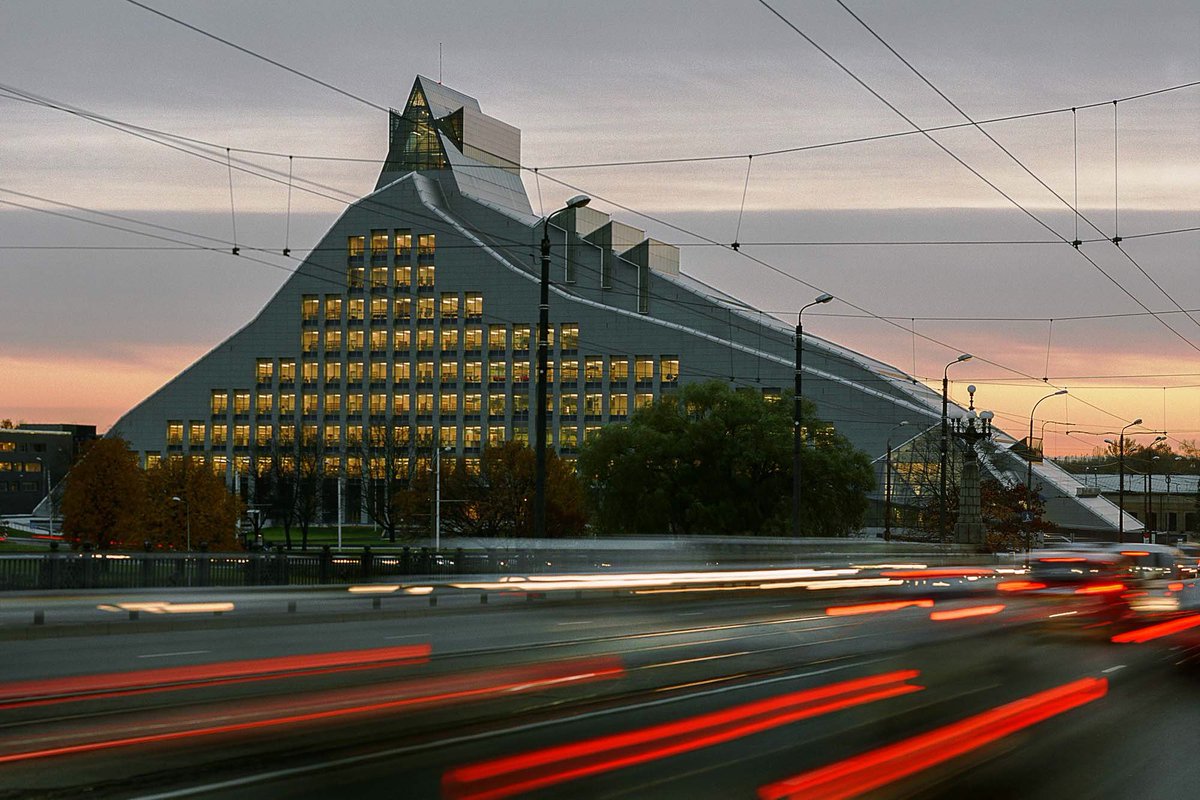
<point>32,458</point>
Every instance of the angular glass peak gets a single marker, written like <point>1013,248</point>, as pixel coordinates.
<point>414,143</point>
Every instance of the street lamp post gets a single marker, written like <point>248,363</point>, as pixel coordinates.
<point>942,514</point>
<point>1121,481</point>
<point>49,494</point>
<point>797,415</point>
<point>887,485</point>
<point>539,505</point>
<point>187,510</point>
<point>1029,443</point>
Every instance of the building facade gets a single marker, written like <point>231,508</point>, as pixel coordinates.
<point>32,459</point>
<point>411,328</point>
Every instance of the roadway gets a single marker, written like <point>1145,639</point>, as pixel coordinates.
<point>694,694</point>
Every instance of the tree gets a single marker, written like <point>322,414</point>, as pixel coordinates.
<point>1003,509</point>
<point>309,478</point>
<point>105,497</point>
<point>281,500</point>
<point>713,460</point>
<point>206,509</point>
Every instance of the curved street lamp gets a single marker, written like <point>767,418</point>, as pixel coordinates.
<point>797,422</point>
<point>1029,470</point>
<point>1121,481</point>
<point>945,438</point>
<point>539,503</point>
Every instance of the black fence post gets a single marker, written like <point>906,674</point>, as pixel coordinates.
<point>324,570</point>
<point>405,561</point>
<point>204,578</point>
<point>460,563</point>
<point>281,567</point>
<point>367,562</point>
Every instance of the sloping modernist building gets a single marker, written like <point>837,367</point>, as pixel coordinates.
<point>413,325</point>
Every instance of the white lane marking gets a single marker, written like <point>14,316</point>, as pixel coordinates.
<point>1113,669</point>
<point>690,613</point>
<point>180,653</point>
<point>406,636</point>
<point>471,737</point>
<point>581,622</point>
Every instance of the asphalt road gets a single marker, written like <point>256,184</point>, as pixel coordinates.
<point>690,695</point>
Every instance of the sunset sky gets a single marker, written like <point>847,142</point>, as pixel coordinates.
<point>94,319</point>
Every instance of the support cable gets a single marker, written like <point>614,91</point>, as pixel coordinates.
<point>287,231</point>
<point>737,234</point>
<point>232,210</point>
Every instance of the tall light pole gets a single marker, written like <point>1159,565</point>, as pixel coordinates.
<point>887,485</point>
<point>49,496</point>
<point>1029,442</point>
<point>539,503</point>
<point>1121,481</point>
<point>945,439</point>
<point>797,416</point>
<point>187,510</point>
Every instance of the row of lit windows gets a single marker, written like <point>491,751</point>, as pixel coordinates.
<point>447,306</point>
<point>20,466</point>
<point>401,238</point>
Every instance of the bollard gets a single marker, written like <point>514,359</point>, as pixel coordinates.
<point>376,602</point>
<point>291,606</point>
<point>483,599</point>
<point>39,618</point>
<point>433,600</point>
<point>134,614</point>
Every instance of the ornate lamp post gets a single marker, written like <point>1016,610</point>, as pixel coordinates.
<point>797,422</point>
<point>945,441</point>
<point>539,502</point>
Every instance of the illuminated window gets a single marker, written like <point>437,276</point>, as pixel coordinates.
<point>521,436</point>
<point>241,465</point>
<point>262,435</point>
<point>568,437</point>
<point>379,340</point>
<point>308,434</point>
<point>425,308</point>
<point>593,404</point>
<point>402,340</point>
<point>448,436</point>
<point>403,370</point>
<point>593,369</point>
<point>354,434</point>
<point>333,371</point>
<point>220,434</point>
<point>449,371</point>
<point>495,434</point>
<point>355,245</point>
<point>196,432</point>
<point>333,307</point>
<point>403,277</point>
<point>669,369</point>
<point>287,403</point>
<point>333,403</point>
<point>520,337</point>
<point>153,460</point>
<point>424,372</point>
<point>570,336</point>
<point>473,339</point>
<point>241,402</point>
<point>497,371</point>
<point>643,369</point>
<point>333,339</point>
<point>570,371</point>
<point>497,337</point>
<point>378,435</point>
<point>310,307</point>
<point>379,277</point>
<point>333,434</point>
<point>643,400</point>
<point>424,434</point>
<point>220,403</point>
<point>449,403</point>
<point>426,244</point>
<point>520,403</point>
<point>354,277</point>
<point>309,371</point>
<point>425,403</point>
<point>590,431</point>
<point>379,243</point>
<point>474,305</point>
<point>379,309</point>
<point>264,370</point>
<point>550,371</point>
<point>263,404</point>
<point>449,339</point>
<point>332,465</point>
<point>449,305</point>
<point>618,405</point>
<point>473,371</point>
<point>472,403</point>
<point>309,341</point>
<point>401,403</point>
<point>472,436</point>
<point>473,466</point>
<point>287,434</point>
<point>378,371</point>
<point>403,309</point>
<point>618,368</point>
<point>355,309</point>
<point>308,403</point>
<point>569,405</point>
<point>287,371</point>
<point>354,403</point>
<point>354,340</point>
<point>403,239</point>
<point>241,435</point>
<point>520,372</point>
<point>220,465</point>
<point>425,275</point>
<point>425,339</point>
<point>496,405</point>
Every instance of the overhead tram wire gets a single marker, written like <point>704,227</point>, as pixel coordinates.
<point>1115,238</point>
<point>971,169</point>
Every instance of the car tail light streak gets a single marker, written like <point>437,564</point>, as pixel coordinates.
<point>965,613</point>
<point>876,768</point>
<point>1101,588</point>
<point>512,775</point>
<point>1158,630</point>
<point>876,608</point>
<point>1019,586</point>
